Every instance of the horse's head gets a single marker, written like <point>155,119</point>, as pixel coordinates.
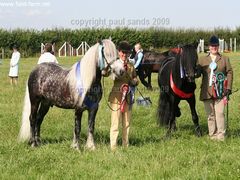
<point>188,60</point>
<point>133,53</point>
<point>108,57</point>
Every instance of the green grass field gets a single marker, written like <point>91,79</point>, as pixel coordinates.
<point>149,156</point>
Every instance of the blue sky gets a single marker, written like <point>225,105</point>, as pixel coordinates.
<point>75,14</point>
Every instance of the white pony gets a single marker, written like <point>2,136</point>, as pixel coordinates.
<point>76,88</point>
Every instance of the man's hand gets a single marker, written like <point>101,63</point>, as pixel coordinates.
<point>133,82</point>
<point>106,72</point>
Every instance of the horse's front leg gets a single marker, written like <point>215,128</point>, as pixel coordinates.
<point>91,124</point>
<point>77,129</point>
<point>192,103</point>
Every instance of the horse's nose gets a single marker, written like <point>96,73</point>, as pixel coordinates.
<point>191,79</point>
<point>121,72</point>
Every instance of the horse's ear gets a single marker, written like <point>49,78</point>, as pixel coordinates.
<point>110,38</point>
<point>100,42</point>
<point>195,44</point>
<point>180,46</point>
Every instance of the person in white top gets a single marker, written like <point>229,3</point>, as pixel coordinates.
<point>47,56</point>
<point>13,73</point>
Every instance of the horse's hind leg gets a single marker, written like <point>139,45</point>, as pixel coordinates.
<point>44,107</point>
<point>150,81</point>
<point>34,109</point>
<point>192,104</point>
<point>77,130</point>
<point>172,117</point>
<point>142,77</point>
<point>91,123</point>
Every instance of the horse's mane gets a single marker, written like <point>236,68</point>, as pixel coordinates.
<point>87,73</point>
<point>190,56</point>
<point>89,63</point>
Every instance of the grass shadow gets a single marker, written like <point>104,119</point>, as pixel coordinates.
<point>56,140</point>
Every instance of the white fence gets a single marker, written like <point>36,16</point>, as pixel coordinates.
<point>224,46</point>
<point>67,50</point>
<point>82,48</point>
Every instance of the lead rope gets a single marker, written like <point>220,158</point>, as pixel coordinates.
<point>143,96</point>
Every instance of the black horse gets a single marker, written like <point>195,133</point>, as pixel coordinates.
<point>150,63</point>
<point>176,79</point>
<point>76,88</point>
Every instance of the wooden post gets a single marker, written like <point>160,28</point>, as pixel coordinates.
<point>221,45</point>
<point>235,44</point>
<point>2,53</point>
<point>230,45</point>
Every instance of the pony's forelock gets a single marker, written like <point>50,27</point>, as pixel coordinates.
<point>110,51</point>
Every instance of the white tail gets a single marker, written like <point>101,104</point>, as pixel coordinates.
<point>24,133</point>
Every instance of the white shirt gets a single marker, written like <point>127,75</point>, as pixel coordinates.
<point>47,57</point>
<point>213,57</point>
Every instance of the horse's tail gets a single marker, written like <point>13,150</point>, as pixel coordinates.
<point>24,133</point>
<point>163,110</point>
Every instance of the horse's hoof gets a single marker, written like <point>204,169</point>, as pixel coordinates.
<point>90,147</point>
<point>38,142</point>
<point>75,146</point>
<point>173,127</point>
<point>34,144</point>
<point>168,134</point>
<point>198,132</point>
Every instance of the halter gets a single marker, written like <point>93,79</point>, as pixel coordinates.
<point>102,59</point>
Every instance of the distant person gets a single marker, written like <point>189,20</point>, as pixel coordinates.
<point>47,56</point>
<point>139,56</point>
<point>137,61</point>
<point>215,69</point>
<point>13,73</point>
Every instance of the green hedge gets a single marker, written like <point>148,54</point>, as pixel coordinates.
<point>30,40</point>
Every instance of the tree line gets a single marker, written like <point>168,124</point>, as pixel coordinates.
<point>29,40</point>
